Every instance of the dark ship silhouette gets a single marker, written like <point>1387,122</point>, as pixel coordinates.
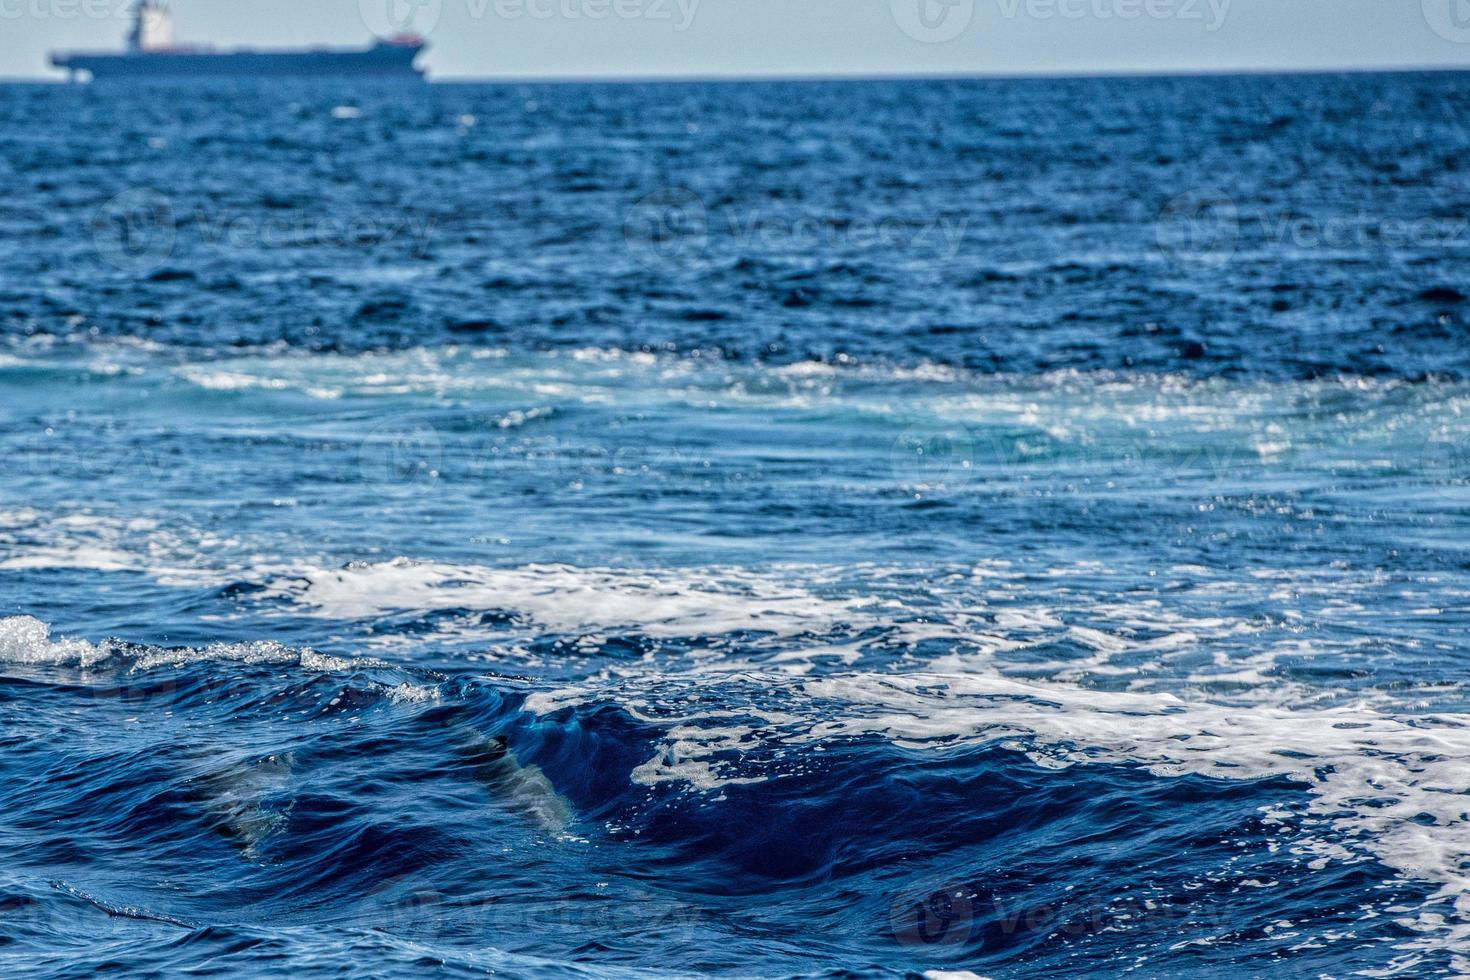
<point>151,53</point>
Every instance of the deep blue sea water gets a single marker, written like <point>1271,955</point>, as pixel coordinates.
<point>1012,528</point>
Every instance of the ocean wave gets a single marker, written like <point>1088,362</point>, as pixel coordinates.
<point>1381,773</point>
<point>705,764</point>
<point>27,640</point>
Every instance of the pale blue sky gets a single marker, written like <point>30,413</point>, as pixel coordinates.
<point>558,38</point>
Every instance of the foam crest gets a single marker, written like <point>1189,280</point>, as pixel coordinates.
<point>564,598</point>
<point>27,640</point>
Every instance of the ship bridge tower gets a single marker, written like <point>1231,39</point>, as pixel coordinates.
<point>153,27</point>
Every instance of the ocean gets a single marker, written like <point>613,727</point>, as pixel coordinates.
<point>999,528</point>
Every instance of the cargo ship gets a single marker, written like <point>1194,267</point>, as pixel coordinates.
<point>152,53</point>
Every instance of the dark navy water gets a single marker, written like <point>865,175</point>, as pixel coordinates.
<point>995,528</point>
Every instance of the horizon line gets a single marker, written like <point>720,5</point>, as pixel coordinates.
<point>1047,75</point>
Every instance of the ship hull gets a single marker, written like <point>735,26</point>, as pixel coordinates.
<point>383,60</point>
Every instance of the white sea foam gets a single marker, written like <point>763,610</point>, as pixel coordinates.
<point>564,598</point>
<point>1412,767</point>
<point>75,556</point>
<point>1065,675</point>
<point>450,372</point>
<point>255,653</point>
<point>1386,785</point>
<point>1141,683</point>
<point>27,640</point>
<point>31,539</point>
<point>230,380</point>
